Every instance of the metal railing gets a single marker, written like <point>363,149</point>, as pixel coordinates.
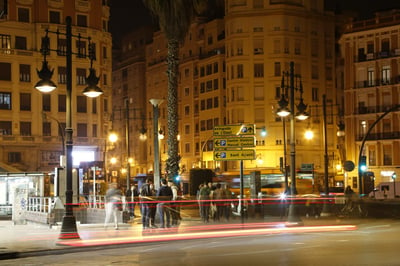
<point>40,204</point>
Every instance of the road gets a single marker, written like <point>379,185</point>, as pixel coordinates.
<point>372,243</point>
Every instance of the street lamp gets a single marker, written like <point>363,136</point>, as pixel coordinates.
<point>68,228</point>
<point>283,111</point>
<point>112,138</point>
<point>156,172</point>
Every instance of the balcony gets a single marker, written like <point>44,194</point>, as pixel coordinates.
<point>376,56</point>
<point>377,82</point>
<point>380,136</point>
<point>372,109</point>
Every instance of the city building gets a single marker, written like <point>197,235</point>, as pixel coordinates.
<point>371,53</point>
<point>31,123</point>
<point>231,72</point>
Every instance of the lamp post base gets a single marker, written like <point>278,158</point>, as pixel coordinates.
<point>326,210</point>
<point>68,228</point>
<point>293,217</point>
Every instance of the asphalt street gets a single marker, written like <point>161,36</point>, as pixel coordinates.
<point>373,242</point>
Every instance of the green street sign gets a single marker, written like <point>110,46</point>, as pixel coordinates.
<point>230,155</point>
<point>235,130</point>
<point>233,142</point>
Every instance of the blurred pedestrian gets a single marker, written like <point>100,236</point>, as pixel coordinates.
<point>164,196</point>
<point>204,197</point>
<point>145,202</point>
<point>131,198</point>
<point>113,204</point>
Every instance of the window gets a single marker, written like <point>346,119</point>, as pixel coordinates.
<point>94,130</point>
<point>209,85</point>
<point>385,75</point>
<point>5,41</point>
<point>81,48</point>
<point>240,94</point>
<point>216,102</point>
<point>385,47</point>
<point>216,67</point>
<point>277,46</point>
<point>20,43</point>
<point>5,71</point>
<point>277,69</point>
<point>46,102</point>
<point>94,106</point>
<point>370,48</point>
<point>61,47</point>
<point>209,69</point>
<point>259,70</point>
<point>81,130</point>
<point>81,106</point>
<point>210,125</point>
<point>54,17</point>
<point>187,147</point>
<point>46,129</point>
<point>62,75</point>
<point>24,73</point>
<point>81,76</point>
<point>23,14</point>
<point>286,46</point>
<point>315,96</point>
<point>61,103</point>
<point>14,157</point>
<point>239,71</point>
<point>297,47</point>
<point>202,87</point>
<point>387,155</point>
<point>24,101</point>
<point>187,110</point>
<point>25,129</point>
<point>329,72</point>
<point>259,115</point>
<point>202,105</point>
<point>370,77</point>
<point>258,47</point>
<point>5,101</point>
<point>209,103</point>
<point>105,105</point>
<point>216,84</point>
<point>5,128</point>
<point>259,93</point>
<point>187,91</point>
<point>81,20</point>
<point>187,129</point>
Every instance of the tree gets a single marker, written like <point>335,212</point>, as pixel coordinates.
<point>174,18</point>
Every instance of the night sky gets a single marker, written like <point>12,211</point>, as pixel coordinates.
<point>127,15</point>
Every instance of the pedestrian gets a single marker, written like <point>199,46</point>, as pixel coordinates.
<point>131,198</point>
<point>153,207</point>
<point>113,203</point>
<point>145,202</point>
<point>228,197</point>
<point>164,196</point>
<point>199,201</point>
<point>175,207</point>
<point>219,202</point>
<point>348,194</point>
<point>204,197</point>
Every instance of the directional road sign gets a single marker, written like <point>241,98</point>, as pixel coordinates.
<point>235,142</point>
<point>235,130</point>
<point>228,155</point>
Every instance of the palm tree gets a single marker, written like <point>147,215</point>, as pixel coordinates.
<point>174,18</point>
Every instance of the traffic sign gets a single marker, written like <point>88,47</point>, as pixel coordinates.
<point>235,130</point>
<point>228,155</point>
<point>235,142</point>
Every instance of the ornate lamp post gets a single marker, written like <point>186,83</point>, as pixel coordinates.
<point>68,228</point>
<point>288,85</point>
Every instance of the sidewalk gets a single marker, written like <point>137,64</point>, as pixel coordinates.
<point>36,239</point>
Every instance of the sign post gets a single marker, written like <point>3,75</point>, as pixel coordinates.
<point>235,142</point>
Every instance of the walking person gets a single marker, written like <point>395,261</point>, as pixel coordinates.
<point>113,203</point>
<point>131,198</point>
<point>145,202</point>
<point>204,198</point>
<point>164,196</point>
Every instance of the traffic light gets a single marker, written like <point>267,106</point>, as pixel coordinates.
<point>363,163</point>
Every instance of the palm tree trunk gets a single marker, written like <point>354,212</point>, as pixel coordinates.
<point>172,164</point>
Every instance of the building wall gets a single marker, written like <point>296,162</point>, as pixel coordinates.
<point>32,151</point>
<point>371,55</point>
